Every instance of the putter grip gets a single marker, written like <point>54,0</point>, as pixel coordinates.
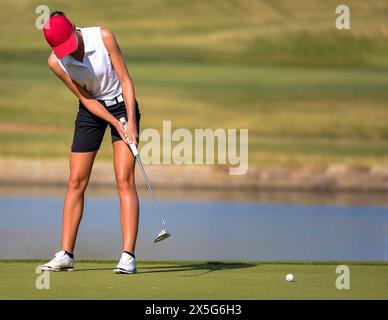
<point>131,145</point>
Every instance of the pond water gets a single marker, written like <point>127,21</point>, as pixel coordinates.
<point>210,228</point>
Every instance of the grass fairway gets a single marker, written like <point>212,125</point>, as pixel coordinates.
<point>308,93</point>
<point>196,280</point>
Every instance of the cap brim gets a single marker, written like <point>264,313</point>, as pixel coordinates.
<point>67,47</point>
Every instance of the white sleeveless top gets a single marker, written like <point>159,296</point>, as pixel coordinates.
<point>95,73</point>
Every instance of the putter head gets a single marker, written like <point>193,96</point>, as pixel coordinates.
<point>162,235</point>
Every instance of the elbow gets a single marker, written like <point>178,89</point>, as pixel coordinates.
<point>126,81</point>
<point>85,100</point>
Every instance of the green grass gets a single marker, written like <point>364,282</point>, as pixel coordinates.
<point>308,93</point>
<point>197,280</point>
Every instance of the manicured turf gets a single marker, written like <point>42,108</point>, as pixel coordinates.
<point>308,93</point>
<point>196,280</point>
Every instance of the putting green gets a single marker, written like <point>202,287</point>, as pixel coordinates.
<point>196,280</point>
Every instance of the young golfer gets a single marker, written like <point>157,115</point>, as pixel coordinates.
<point>90,63</point>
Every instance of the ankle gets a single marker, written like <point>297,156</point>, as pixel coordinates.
<point>130,253</point>
<point>70,254</point>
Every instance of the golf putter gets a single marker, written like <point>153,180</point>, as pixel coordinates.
<point>164,234</point>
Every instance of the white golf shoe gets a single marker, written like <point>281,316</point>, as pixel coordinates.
<point>127,264</point>
<point>61,262</point>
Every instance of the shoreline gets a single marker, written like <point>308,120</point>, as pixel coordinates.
<point>331,178</point>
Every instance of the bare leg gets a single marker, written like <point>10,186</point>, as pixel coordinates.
<point>80,168</point>
<point>124,164</point>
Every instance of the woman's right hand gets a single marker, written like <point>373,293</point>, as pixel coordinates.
<point>120,129</point>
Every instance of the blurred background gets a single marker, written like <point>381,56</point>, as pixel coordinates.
<point>307,92</point>
<point>314,99</point>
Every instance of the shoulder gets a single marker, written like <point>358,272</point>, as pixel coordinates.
<point>54,64</point>
<point>108,38</point>
<point>52,61</point>
<point>106,34</point>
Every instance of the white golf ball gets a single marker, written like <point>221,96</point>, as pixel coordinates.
<point>290,277</point>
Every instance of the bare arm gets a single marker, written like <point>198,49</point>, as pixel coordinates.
<point>93,105</point>
<point>125,80</point>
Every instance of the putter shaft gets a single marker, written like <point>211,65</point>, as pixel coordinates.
<point>136,154</point>
<point>152,192</point>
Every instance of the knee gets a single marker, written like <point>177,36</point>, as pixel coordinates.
<point>77,183</point>
<point>124,182</point>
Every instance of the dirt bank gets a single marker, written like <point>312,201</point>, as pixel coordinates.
<point>330,178</point>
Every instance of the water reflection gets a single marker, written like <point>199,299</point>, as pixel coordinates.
<point>306,197</point>
<point>248,229</point>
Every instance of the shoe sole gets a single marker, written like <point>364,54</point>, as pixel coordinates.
<point>122,271</point>
<point>58,270</point>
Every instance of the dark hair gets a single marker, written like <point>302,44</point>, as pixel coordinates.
<point>57,13</point>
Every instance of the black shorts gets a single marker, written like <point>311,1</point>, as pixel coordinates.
<point>90,129</point>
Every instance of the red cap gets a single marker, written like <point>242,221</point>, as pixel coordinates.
<point>60,35</point>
